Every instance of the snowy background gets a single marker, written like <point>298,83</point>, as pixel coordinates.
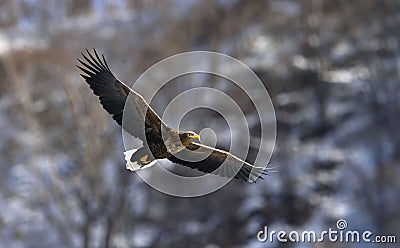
<point>331,69</point>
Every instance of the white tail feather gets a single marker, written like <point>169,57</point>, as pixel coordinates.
<point>133,166</point>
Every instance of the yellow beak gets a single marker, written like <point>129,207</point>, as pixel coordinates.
<point>196,137</point>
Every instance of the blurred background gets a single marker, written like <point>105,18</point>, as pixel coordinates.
<point>331,69</point>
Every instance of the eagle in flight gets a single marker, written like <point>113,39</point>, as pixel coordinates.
<point>160,141</point>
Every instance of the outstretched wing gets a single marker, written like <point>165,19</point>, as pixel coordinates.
<point>113,95</point>
<point>218,162</point>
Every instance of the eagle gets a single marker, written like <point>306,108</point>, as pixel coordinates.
<point>160,141</point>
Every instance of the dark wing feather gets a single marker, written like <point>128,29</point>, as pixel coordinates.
<point>113,95</point>
<point>214,163</point>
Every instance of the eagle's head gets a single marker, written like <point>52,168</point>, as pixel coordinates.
<point>188,137</point>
